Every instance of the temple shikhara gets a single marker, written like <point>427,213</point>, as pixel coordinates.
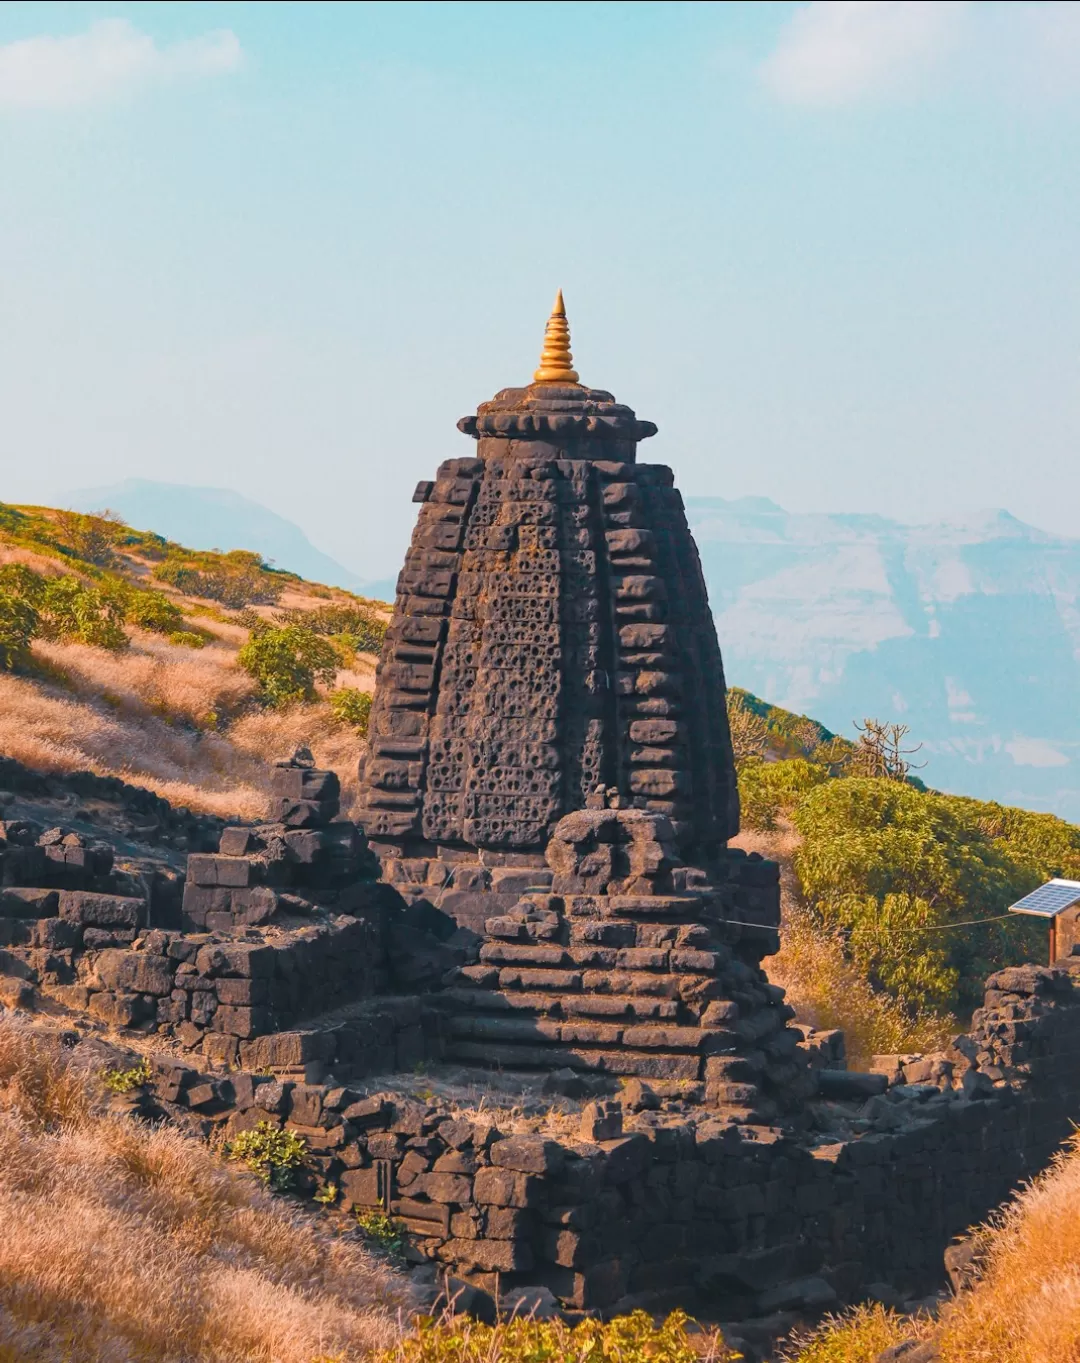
<point>551,639</point>
<point>550,764</point>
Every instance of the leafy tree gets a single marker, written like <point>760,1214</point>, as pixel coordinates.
<point>237,579</point>
<point>91,538</point>
<point>287,662</point>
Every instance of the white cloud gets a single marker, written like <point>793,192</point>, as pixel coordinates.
<point>111,58</point>
<point>836,52</point>
<point>1035,752</point>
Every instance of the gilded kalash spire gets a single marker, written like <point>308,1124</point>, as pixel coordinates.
<point>556,361</point>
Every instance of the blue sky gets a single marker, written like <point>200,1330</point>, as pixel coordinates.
<point>830,248</point>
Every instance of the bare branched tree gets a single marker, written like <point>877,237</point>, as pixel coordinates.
<point>92,537</point>
<point>749,732</point>
<point>880,751</point>
<point>805,736</point>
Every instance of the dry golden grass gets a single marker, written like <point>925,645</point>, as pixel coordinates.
<point>54,732</point>
<point>225,773</point>
<point>1027,1308</point>
<point>859,1336</point>
<point>153,677</point>
<point>123,1242</point>
<point>823,987</point>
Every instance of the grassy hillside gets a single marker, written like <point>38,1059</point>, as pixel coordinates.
<point>123,1241</point>
<point>894,896</point>
<point>122,653</point>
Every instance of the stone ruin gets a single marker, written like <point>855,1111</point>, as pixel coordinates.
<point>541,907</point>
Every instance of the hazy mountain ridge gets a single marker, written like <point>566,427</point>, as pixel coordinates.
<point>215,518</point>
<point>967,630</point>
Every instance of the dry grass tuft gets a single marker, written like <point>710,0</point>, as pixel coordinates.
<point>1027,1308</point>
<point>123,1242</point>
<point>823,987</point>
<point>859,1336</point>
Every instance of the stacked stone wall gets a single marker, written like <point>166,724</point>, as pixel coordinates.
<point>642,1206</point>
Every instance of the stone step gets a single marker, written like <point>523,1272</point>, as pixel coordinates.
<point>577,1005</point>
<point>622,1061</point>
<point>641,1036</point>
<point>584,955</point>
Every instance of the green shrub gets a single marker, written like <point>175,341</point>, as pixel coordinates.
<point>70,610</point>
<point>272,1154</point>
<point>236,579</point>
<point>892,867</point>
<point>187,638</point>
<point>286,663</point>
<point>352,706</point>
<point>151,610</point>
<point>22,582</point>
<point>769,789</point>
<point>358,629</point>
<point>126,1081</point>
<point>18,624</point>
<point>635,1338</point>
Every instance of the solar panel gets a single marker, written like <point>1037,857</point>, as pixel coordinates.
<point>1050,899</point>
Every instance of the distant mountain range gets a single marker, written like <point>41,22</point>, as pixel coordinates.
<point>214,518</point>
<point>968,631</point>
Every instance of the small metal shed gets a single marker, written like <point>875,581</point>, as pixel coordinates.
<point>1058,901</point>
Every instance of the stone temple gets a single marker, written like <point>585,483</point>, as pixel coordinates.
<point>550,769</point>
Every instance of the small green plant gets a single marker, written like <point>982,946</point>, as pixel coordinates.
<point>635,1338</point>
<point>287,662</point>
<point>187,638</point>
<point>149,610</point>
<point>273,1155</point>
<point>352,706</point>
<point>327,1195</point>
<point>126,1081</point>
<point>382,1230</point>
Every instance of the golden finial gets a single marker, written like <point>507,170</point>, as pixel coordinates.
<point>556,362</point>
